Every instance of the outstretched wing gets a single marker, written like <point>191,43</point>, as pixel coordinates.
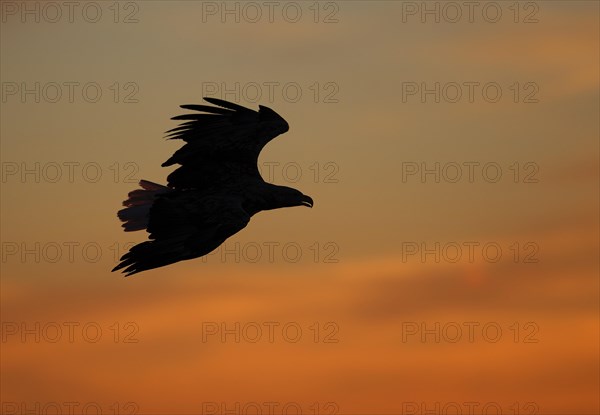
<point>222,143</point>
<point>183,226</point>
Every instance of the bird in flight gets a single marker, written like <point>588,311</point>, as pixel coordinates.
<point>214,192</point>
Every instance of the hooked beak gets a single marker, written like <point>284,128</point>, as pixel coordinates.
<point>307,201</point>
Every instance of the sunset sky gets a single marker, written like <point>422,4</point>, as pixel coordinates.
<point>450,262</point>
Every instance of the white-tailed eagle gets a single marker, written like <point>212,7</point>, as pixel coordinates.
<point>214,192</point>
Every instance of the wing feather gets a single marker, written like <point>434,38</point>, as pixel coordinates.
<point>229,136</point>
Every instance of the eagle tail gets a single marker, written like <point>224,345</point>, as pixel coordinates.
<point>137,206</point>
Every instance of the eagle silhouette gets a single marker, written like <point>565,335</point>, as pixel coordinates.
<point>214,192</point>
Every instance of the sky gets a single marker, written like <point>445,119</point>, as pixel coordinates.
<point>450,261</point>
